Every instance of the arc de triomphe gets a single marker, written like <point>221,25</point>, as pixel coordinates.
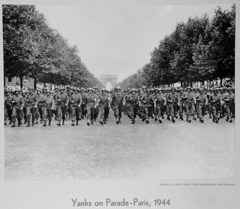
<point>108,78</point>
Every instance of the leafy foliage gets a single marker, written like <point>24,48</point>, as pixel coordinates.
<point>33,49</point>
<point>198,50</point>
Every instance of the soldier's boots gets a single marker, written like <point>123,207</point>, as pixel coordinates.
<point>36,122</point>
<point>28,124</point>
<point>173,120</point>
<point>63,122</point>
<point>73,124</point>
<point>77,122</point>
<point>13,124</point>
<point>160,121</point>
<point>101,122</point>
<point>49,123</point>
<point>88,122</point>
<point>44,123</point>
<point>59,123</point>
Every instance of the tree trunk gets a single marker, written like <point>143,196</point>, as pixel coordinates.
<point>35,83</point>
<point>221,81</point>
<point>21,82</point>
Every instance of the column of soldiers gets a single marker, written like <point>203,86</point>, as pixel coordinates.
<point>75,104</point>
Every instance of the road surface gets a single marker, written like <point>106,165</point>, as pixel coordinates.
<point>125,151</point>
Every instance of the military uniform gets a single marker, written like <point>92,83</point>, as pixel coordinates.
<point>117,104</point>
<point>159,104</point>
<point>61,106</point>
<point>103,104</point>
<point>17,103</point>
<point>75,101</point>
<point>31,104</point>
<point>47,109</point>
<point>90,104</point>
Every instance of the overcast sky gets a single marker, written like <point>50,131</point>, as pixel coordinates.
<point>119,39</point>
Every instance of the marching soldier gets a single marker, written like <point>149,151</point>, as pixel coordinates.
<point>75,101</point>
<point>103,104</point>
<point>31,105</point>
<point>159,102</point>
<point>47,108</point>
<point>17,103</point>
<point>7,107</point>
<point>145,100</point>
<point>201,102</point>
<point>117,104</point>
<point>215,103</point>
<point>189,103</point>
<point>61,106</point>
<point>91,101</point>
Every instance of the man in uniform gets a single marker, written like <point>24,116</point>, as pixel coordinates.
<point>39,108</point>
<point>31,105</point>
<point>189,103</point>
<point>215,105</point>
<point>159,102</point>
<point>17,103</point>
<point>91,101</point>
<point>75,101</point>
<point>103,104</point>
<point>62,103</point>
<point>7,107</point>
<point>117,104</point>
<point>146,102</point>
<point>172,105</point>
<point>201,102</point>
<point>47,108</point>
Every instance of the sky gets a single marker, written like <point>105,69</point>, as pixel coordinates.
<point>119,39</point>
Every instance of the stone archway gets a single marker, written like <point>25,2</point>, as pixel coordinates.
<point>108,78</point>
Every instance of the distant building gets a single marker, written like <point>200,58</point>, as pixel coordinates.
<point>13,83</point>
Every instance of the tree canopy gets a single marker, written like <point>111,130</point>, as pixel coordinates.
<point>197,51</point>
<point>33,49</point>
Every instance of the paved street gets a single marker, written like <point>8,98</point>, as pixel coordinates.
<point>125,151</point>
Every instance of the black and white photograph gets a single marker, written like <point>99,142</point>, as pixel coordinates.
<point>120,90</point>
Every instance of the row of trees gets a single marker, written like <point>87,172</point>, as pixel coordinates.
<point>33,49</point>
<point>197,51</point>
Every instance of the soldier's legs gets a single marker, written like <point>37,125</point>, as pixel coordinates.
<point>9,113</point>
<point>5,116</point>
<point>214,113</point>
<point>73,114</point>
<point>188,111</point>
<point>19,116</point>
<point>59,115</point>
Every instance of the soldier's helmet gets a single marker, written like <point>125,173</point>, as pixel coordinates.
<point>144,87</point>
<point>118,88</point>
<point>103,89</point>
<point>90,89</point>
